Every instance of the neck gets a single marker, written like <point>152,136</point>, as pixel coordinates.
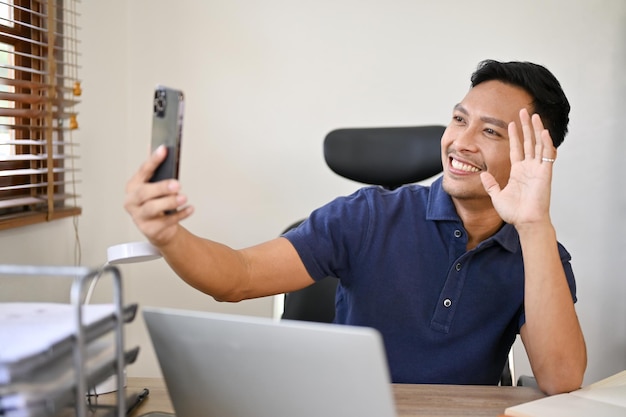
<point>480,222</point>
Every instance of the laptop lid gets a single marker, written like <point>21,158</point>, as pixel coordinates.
<point>219,365</point>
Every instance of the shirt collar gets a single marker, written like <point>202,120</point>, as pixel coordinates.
<point>441,208</point>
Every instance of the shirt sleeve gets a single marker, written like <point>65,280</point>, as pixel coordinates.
<point>329,240</point>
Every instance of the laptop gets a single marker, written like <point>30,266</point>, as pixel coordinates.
<point>222,365</point>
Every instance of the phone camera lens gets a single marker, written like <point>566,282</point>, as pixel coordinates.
<point>160,103</point>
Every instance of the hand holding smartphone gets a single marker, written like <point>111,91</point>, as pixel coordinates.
<point>167,129</point>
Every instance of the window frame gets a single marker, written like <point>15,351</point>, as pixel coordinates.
<point>44,114</point>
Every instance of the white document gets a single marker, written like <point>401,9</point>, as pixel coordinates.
<point>29,330</point>
<point>605,398</point>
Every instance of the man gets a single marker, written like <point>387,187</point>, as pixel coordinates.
<point>450,273</point>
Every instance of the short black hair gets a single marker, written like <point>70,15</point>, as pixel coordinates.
<point>549,100</point>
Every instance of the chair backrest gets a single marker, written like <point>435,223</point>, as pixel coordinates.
<point>385,156</point>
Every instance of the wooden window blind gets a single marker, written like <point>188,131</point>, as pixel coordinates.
<point>39,90</point>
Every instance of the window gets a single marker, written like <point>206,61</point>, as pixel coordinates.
<point>39,91</point>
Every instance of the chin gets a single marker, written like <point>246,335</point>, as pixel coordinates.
<point>463,189</point>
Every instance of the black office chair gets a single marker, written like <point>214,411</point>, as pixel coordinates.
<point>389,157</point>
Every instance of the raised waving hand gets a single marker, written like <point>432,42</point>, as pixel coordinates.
<point>526,197</point>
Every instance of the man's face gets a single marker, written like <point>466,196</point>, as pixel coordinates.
<point>477,138</point>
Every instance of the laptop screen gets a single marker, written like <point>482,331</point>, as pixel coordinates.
<point>228,365</point>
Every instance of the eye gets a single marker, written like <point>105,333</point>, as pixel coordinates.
<point>492,133</point>
<point>457,118</point>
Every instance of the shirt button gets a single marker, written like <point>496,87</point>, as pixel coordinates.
<point>457,266</point>
<point>447,302</point>
<point>458,233</point>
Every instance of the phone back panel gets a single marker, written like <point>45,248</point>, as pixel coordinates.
<point>167,126</point>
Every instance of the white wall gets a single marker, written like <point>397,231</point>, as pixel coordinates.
<point>266,80</point>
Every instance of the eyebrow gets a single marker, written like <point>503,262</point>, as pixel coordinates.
<point>487,119</point>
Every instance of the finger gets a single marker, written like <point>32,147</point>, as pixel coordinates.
<point>544,149</point>
<point>147,168</point>
<point>176,204</point>
<point>183,213</point>
<point>155,223</point>
<point>153,219</point>
<point>159,231</point>
<point>549,152</point>
<point>538,131</point>
<point>515,145</point>
<point>161,205</point>
<point>171,217</point>
<point>548,149</point>
<point>529,142</point>
<point>142,193</point>
<point>491,185</point>
<point>548,144</point>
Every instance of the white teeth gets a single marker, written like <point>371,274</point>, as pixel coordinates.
<point>463,167</point>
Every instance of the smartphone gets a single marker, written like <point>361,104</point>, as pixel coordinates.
<point>167,129</point>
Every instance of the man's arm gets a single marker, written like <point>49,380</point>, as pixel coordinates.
<point>222,272</point>
<point>552,334</point>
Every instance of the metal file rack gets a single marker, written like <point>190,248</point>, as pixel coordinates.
<point>54,399</point>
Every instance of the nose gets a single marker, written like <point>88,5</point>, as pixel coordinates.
<point>463,138</point>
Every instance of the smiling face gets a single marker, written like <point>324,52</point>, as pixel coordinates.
<point>477,139</point>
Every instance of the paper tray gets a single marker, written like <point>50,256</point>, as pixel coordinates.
<point>24,348</point>
<point>53,387</point>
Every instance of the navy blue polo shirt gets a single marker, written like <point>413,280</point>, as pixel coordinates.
<point>447,315</point>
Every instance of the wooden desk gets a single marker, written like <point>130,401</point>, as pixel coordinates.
<point>411,400</point>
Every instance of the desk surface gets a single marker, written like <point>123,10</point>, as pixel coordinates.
<point>411,400</point>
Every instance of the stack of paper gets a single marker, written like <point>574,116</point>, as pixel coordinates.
<point>37,340</point>
<point>606,398</point>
